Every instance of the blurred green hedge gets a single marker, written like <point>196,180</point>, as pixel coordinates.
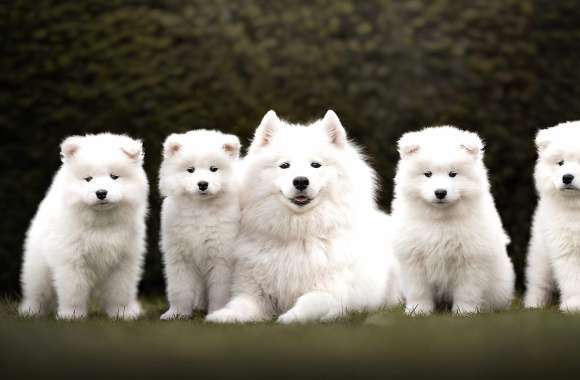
<point>502,68</point>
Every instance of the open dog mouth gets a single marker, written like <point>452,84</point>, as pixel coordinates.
<point>301,200</point>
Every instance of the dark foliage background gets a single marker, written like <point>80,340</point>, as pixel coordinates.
<point>502,68</point>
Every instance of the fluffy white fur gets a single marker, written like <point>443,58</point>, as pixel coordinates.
<point>451,250</point>
<point>199,219</point>
<point>79,244</point>
<point>554,251</point>
<point>313,253</point>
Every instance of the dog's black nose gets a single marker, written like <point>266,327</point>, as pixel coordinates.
<point>440,193</point>
<point>567,179</point>
<point>101,194</point>
<point>202,185</point>
<point>301,183</point>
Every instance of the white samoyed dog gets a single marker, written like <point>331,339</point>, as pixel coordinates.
<point>88,235</point>
<point>448,235</point>
<point>199,219</point>
<point>312,242</point>
<point>554,251</point>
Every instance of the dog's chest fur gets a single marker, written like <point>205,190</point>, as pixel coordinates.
<point>203,236</point>
<point>562,232</point>
<point>284,272</point>
<point>443,251</point>
<point>200,235</point>
<point>99,249</point>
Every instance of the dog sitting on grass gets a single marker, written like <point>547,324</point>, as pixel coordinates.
<point>554,252</point>
<point>448,235</point>
<point>88,235</point>
<point>199,219</point>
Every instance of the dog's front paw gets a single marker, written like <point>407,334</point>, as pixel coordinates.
<point>70,314</point>
<point>464,309</point>
<point>30,310</point>
<point>417,309</point>
<point>226,315</point>
<point>289,317</point>
<point>570,305</point>
<point>534,302</point>
<point>125,312</point>
<point>174,314</point>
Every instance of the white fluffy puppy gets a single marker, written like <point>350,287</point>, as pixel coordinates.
<point>88,234</point>
<point>554,252</point>
<point>199,219</point>
<point>312,243</point>
<point>448,235</point>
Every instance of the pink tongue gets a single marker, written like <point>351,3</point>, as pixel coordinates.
<point>300,198</point>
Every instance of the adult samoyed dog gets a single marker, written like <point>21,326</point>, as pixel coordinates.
<point>88,235</point>
<point>312,242</point>
<point>199,219</point>
<point>448,235</point>
<point>554,251</point>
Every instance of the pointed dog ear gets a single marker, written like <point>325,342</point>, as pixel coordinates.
<point>408,144</point>
<point>171,146</point>
<point>133,149</point>
<point>266,130</point>
<point>472,144</point>
<point>334,129</point>
<point>232,146</point>
<point>70,147</point>
<point>543,139</point>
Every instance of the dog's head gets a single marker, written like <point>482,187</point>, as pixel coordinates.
<point>296,164</point>
<point>199,164</point>
<point>441,166</point>
<point>103,171</point>
<point>558,165</point>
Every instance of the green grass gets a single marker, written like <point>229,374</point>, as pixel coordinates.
<point>518,344</point>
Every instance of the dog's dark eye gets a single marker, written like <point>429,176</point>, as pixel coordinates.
<point>561,163</point>
<point>284,165</point>
<point>428,174</point>
<point>213,169</point>
<point>452,174</point>
<point>191,170</point>
<point>88,179</point>
<point>114,177</point>
<point>315,165</point>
